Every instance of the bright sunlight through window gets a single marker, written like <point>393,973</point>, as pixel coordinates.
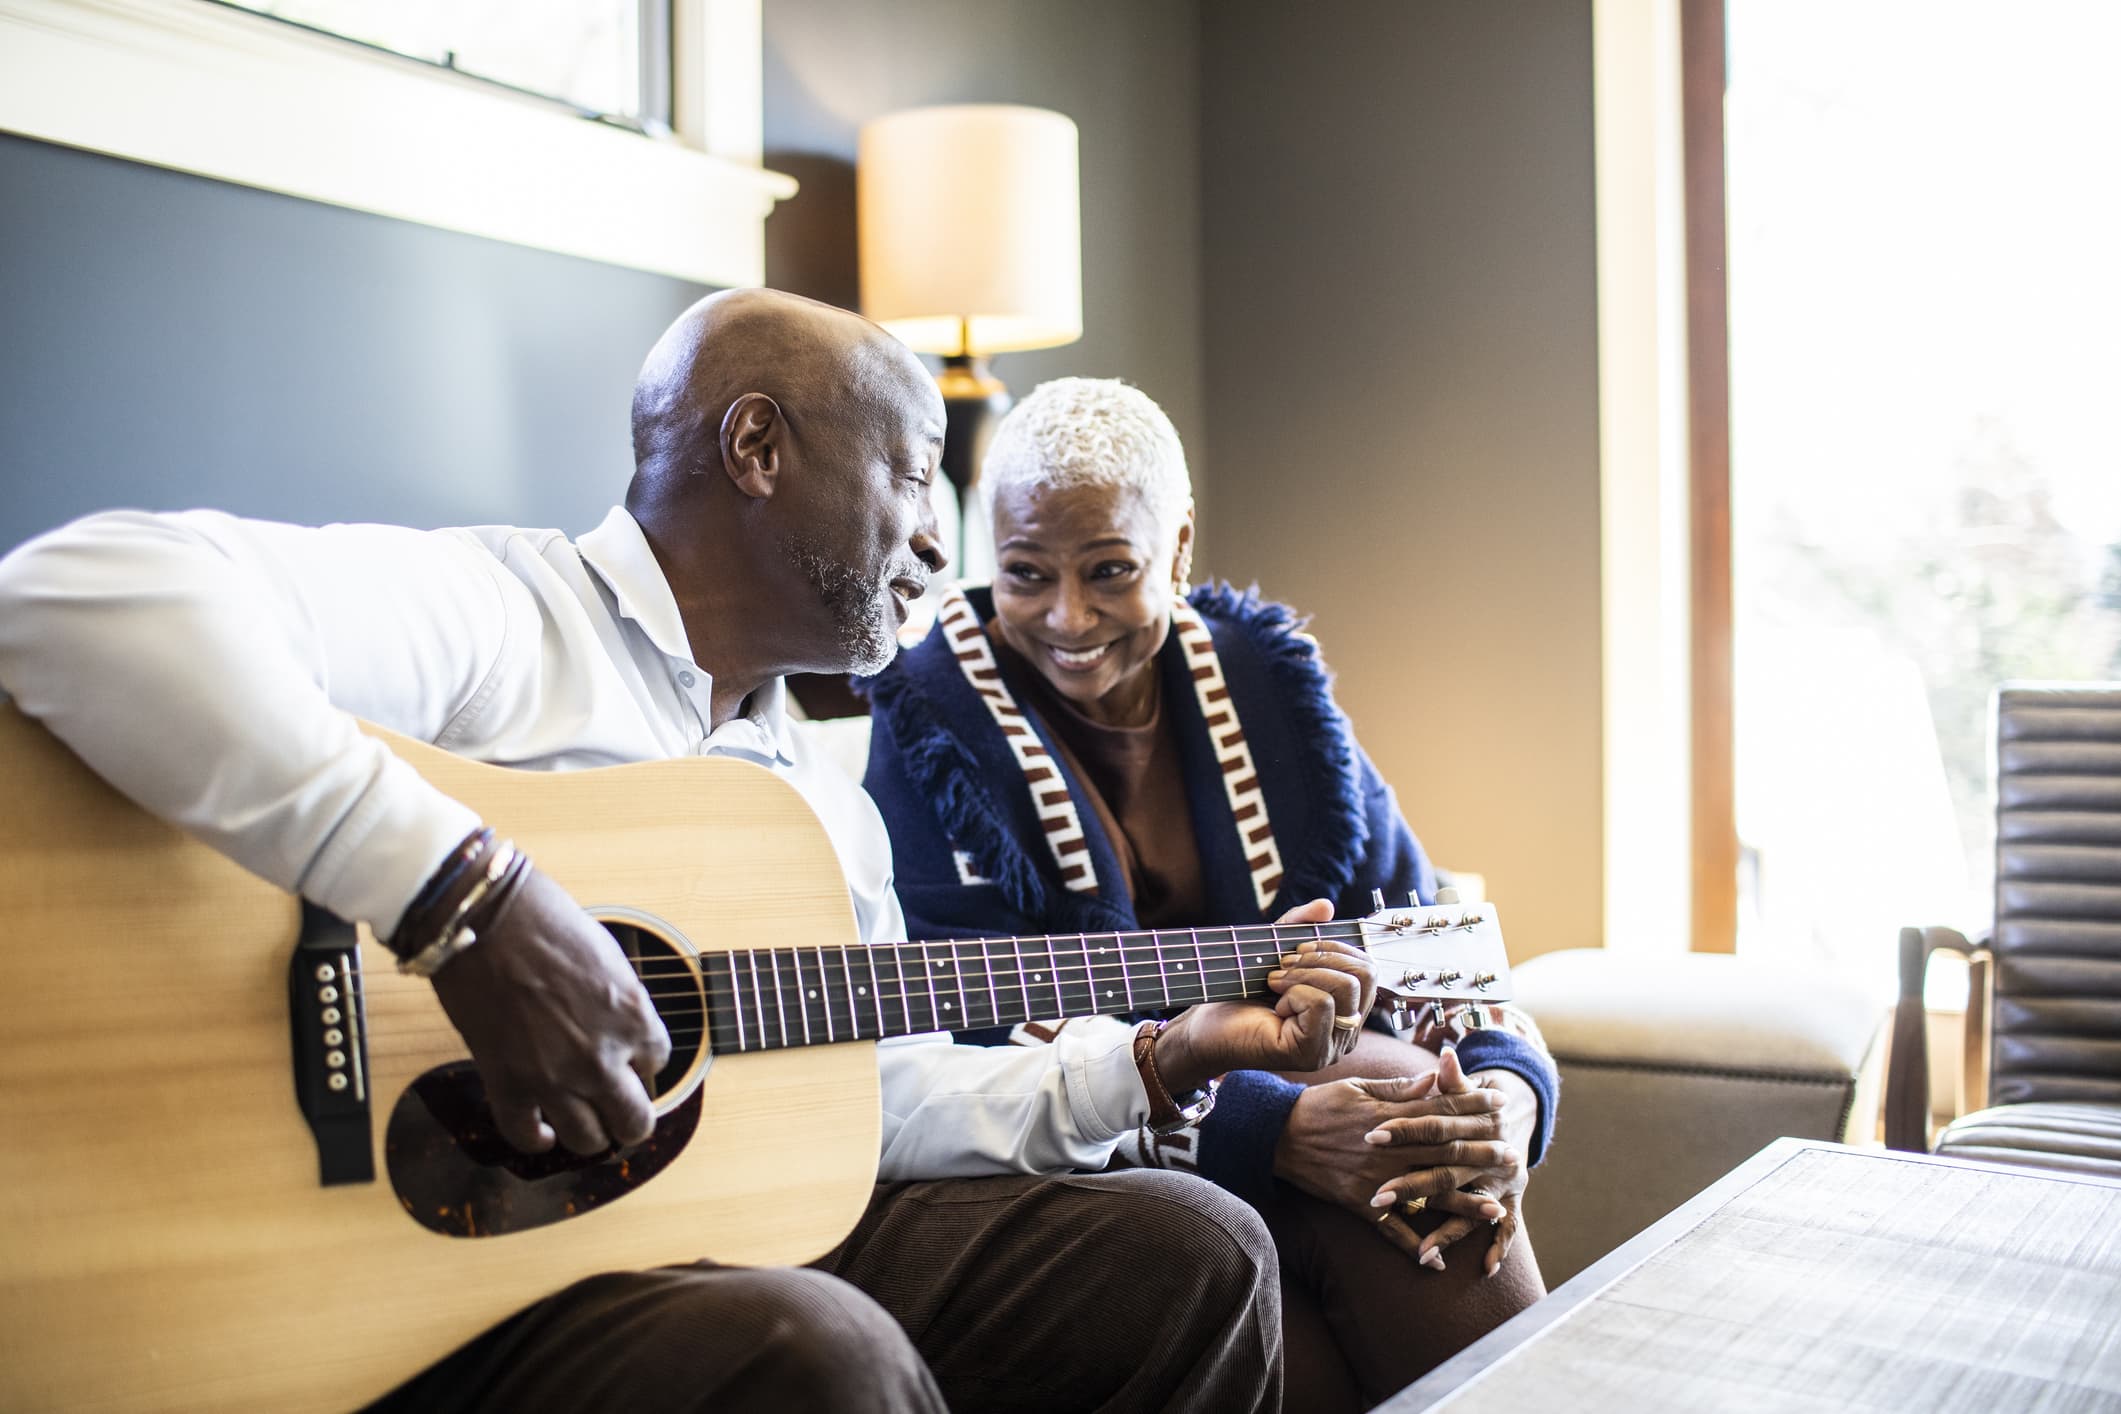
<point>1925,287</point>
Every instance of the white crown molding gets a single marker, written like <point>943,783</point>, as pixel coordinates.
<point>214,91</point>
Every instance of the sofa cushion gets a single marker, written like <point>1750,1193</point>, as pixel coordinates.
<point>2074,1137</point>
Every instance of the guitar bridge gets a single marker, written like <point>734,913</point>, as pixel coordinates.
<point>327,1019</point>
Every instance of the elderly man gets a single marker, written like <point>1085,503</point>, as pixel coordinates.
<point>213,668</point>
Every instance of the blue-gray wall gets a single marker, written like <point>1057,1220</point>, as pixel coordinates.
<point>168,341</point>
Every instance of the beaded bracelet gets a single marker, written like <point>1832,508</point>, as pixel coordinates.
<point>502,874</point>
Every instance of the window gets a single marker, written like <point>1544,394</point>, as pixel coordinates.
<point>599,57</point>
<point>224,91</point>
<point>1925,308</point>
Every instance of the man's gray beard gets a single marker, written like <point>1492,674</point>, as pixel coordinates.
<point>867,637</point>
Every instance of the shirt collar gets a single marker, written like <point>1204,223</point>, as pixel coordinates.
<point>618,550</point>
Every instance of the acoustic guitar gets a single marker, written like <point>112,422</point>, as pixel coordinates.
<point>246,1165</point>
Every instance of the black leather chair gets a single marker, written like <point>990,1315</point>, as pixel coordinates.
<point>2043,1015</point>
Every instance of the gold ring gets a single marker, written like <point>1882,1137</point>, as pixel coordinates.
<point>1347,1023</point>
<point>1413,1206</point>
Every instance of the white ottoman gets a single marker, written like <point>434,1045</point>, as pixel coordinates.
<point>1673,1071</point>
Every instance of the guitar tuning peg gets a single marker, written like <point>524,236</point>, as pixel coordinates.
<point>1377,900</point>
<point>1413,898</point>
<point>1443,895</point>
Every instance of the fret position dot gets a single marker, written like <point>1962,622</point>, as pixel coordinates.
<point>861,991</point>
<point>1038,976</point>
<point>1108,991</point>
<point>813,994</point>
<point>949,1006</point>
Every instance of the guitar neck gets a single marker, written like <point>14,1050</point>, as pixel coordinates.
<point>772,998</point>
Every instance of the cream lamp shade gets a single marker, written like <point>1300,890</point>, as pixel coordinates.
<point>971,230</point>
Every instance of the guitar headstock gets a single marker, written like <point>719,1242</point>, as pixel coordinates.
<point>1439,952</point>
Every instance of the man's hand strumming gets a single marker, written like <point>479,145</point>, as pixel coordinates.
<point>564,1034</point>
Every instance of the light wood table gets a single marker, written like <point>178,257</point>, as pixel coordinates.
<point>1817,1277</point>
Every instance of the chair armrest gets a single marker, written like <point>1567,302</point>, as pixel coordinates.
<point>1907,1072</point>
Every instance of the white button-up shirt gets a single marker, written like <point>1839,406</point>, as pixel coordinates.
<point>211,668</point>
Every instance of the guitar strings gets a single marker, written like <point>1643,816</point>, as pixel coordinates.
<point>1165,944</point>
<point>821,961</point>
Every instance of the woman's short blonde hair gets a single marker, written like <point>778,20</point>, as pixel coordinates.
<point>1092,432</point>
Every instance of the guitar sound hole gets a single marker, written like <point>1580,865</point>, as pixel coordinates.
<point>454,1174</point>
<point>675,990</point>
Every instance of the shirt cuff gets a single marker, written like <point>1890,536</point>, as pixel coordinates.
<point>1106,1094</point>
<point>1490,1048</point>
<point>1239,1136</point>
<point>385,850</point>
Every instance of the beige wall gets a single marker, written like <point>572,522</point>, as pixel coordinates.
<point>1350,247</point>
<point>1401,362</point>
<point>1125,70</point>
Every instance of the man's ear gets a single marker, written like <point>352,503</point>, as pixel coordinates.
<point>752,432</point>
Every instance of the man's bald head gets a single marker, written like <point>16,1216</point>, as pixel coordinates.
<point>784,454</point>
<point>820,364</point>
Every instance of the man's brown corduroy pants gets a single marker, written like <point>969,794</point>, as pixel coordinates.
<point>1131,1290</point>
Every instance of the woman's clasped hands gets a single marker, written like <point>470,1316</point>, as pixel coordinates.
<point>1385,1149</point>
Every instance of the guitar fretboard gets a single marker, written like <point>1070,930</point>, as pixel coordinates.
<point>771,998</point>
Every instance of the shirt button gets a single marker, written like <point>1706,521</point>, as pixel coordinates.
<point>686,679</point>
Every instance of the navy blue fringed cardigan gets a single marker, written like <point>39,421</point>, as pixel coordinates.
<point>971,860</point>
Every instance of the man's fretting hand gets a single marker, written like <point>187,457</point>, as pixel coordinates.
<point>563,1032</point>
<point>1318,983</point>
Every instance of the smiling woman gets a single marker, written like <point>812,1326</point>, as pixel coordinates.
<point>1094,747</point>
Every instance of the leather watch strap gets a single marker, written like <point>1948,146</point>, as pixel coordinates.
<point>1167,1113</point>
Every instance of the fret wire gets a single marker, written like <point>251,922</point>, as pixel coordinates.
<point>898,960</point>
<point>854,1019</point>
<point>780,1005</point>
<point>1124,980</point>
<point>876,990</point>
<point>824,992</point>
<point>1023,978</point>
<point>758,996</point>
<point>1200,962</point>
<point>735,1005</point>
<point>935,1006</point>
<point>964,998</point>
<point>802,988</point>
<point>994,1001</point>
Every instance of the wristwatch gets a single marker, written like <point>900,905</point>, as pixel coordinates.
<point>1168,1113</point>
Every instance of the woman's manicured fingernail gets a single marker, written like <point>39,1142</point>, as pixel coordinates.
<point>1384,1200</point>
<point>1307,947</point>
<point>1289,959</point>
<point>1378,1136</point>
<point>1276,975</point>
<point>1432,1258</point>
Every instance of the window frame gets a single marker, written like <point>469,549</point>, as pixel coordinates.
<point>239,97</point>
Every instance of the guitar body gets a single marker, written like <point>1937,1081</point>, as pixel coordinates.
<point>168,1241</point>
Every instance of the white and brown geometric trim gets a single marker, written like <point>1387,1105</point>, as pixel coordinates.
<point>1248,805</point>
<point>1049,790</point>
<point>1151,1150</point>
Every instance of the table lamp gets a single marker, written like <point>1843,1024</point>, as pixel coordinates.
<point>971,245</point>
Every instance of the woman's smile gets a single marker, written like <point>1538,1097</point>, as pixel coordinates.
<point>1078,660</point>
